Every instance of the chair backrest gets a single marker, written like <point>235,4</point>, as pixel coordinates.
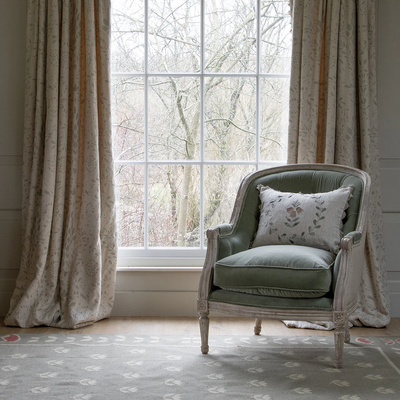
<point>305,178</point>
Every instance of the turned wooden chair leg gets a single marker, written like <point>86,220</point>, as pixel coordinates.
<point>204,328</point>
<point>339,345</point>
<point>257,326</point>
<point>347,334</point>
<point>341,324</point>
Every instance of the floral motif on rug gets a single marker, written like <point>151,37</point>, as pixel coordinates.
<point>82,367</point>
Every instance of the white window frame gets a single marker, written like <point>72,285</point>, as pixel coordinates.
<point>186,258</point>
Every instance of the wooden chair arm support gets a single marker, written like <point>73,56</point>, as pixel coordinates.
<point>350,267</point>
<point>350,240</point>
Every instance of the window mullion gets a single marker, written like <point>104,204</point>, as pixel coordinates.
<point>258,45</point>
<point>206,74</point>
<point>202,83</point>
<point>146,124</point>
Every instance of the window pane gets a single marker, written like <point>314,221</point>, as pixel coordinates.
<point>174,206</point>
<point>230,118</point>
<point>127,36</point>
<point>276,37</point>
<point>130,205</point>
<point>274,105</point>
<point>153,130</point>
<point>174,36</point>
<point>221,186</point>
<point>128,118</point>
<point>230,36</point>
<point>174,118</point>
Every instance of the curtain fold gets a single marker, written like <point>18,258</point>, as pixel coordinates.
<point>333,118</point>
<point>69,249</point>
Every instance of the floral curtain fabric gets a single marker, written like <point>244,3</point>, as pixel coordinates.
<point>67,273</point>
<point>333,117</point>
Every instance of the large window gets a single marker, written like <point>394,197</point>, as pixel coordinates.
<point>200,99</point>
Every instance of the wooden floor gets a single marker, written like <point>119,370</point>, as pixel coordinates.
<point>189,326</point>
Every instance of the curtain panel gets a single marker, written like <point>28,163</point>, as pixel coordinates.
<point>69,249</point>
<point>333,117</point>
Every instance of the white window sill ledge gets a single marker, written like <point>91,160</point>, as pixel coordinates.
<point>166,264</point>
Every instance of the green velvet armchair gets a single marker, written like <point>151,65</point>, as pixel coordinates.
<point>291,279</point>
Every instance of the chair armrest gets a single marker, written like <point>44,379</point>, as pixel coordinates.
<point>225,229</point>
<point>346,244</point>
<point>230,240</point>
<point>350,240</point>
<point>348,270</point>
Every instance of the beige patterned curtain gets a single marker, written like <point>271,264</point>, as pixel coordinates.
<point>333,116</point>
<point>67,273</point>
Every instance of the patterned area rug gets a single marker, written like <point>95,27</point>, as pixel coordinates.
<point>108,367</point>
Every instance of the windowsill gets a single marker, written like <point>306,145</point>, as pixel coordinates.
<point>166,264</point>
<point>159,269</point>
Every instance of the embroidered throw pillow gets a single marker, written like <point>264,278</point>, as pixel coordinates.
<point>313,220</point>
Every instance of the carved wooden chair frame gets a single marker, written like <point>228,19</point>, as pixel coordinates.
<point>349,277</point>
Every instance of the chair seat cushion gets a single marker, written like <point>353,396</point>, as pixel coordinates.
<point>277,270</point>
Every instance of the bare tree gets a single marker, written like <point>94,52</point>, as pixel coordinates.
<point>174,106</point>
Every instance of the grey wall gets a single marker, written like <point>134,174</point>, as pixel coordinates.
<point>389,135</point>
<point>152,292</point>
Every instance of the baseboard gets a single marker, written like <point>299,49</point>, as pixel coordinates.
<point>395,305</point>
<point>5,298</point>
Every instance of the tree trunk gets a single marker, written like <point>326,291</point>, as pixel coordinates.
<point>183,207</point>
<point>187,178</point>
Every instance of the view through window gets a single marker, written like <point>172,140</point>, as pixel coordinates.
<point>200,99</point>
